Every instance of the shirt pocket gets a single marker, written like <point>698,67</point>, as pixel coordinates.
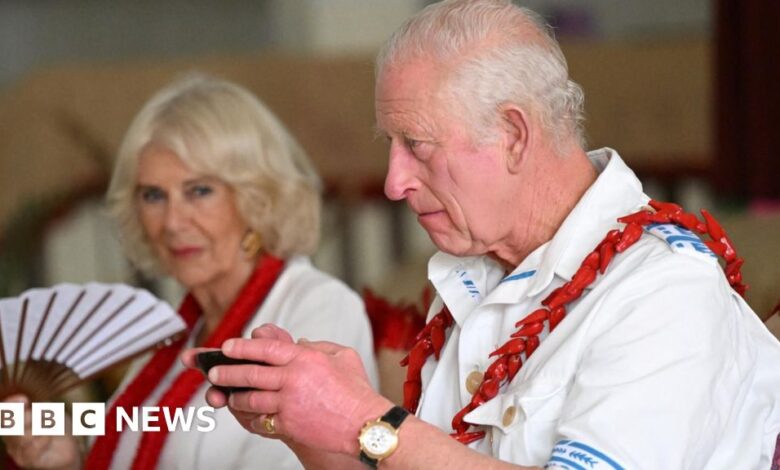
<point>522,421</point>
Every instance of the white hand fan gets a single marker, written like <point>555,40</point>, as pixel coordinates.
<point>54,338</point>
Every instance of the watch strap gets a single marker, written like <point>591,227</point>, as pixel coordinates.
<point>370,461</point>
<point>394,417</point>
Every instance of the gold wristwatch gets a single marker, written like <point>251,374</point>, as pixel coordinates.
<point>379,438</point>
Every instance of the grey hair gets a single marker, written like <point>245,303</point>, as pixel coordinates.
<point>220,129</point>
<point>498,53</point>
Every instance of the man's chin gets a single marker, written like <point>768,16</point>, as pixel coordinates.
<point>455,247</point>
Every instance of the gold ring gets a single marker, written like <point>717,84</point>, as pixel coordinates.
<point>269,425</point>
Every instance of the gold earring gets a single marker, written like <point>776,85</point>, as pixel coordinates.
<point>251,244</point>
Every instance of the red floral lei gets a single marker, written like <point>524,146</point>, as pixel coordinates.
<point>187,382</point>
<point>525,340</point>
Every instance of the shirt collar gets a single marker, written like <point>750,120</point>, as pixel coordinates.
<point>463,282</point>
<point>615,193</point>
<point>467,282</point>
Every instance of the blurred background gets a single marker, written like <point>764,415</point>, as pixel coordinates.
<point>685,90</point>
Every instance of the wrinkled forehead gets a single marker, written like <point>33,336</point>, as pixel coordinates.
<point>407,80</point>
<point>411,92</point>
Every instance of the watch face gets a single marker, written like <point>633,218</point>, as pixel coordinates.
<point>378,439</point>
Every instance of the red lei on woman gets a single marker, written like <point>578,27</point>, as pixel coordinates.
<point>252,295</point>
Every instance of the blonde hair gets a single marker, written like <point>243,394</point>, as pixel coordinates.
<point>221,129</point>
<point>499,53</point>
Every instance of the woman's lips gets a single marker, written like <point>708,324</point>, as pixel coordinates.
<point>185,251</point>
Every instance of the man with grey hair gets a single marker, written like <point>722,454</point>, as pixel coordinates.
<point>560,336</point>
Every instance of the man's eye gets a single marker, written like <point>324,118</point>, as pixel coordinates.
<point>411,143</point>
<point>152,195</point>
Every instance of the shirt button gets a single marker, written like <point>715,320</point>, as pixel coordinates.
<point>473,381</point>
<point>509,415</point>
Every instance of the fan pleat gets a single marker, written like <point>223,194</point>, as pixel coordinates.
<point>53,339</point>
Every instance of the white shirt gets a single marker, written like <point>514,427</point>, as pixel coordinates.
<point>659,365</point>
<point>309,304</point>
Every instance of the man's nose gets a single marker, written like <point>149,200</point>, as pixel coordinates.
<point>400,179</point>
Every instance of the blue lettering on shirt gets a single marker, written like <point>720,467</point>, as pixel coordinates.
<point>518,276</point>
<point>680,239</point>
<point>571,454</point>
<point>469,284</point>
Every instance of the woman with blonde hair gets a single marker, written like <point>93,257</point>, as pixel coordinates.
<point>211,189</point>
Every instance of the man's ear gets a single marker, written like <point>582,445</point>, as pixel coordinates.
<point>518,135</point>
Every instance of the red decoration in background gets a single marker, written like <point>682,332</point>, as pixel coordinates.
<point>525,340</point>
<point>395,325</point>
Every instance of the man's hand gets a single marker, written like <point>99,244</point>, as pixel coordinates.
<point>317,392</point>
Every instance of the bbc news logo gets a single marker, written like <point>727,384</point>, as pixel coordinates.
<point>89,419</point>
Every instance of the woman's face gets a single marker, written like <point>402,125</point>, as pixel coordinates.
<point>191,221</point>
